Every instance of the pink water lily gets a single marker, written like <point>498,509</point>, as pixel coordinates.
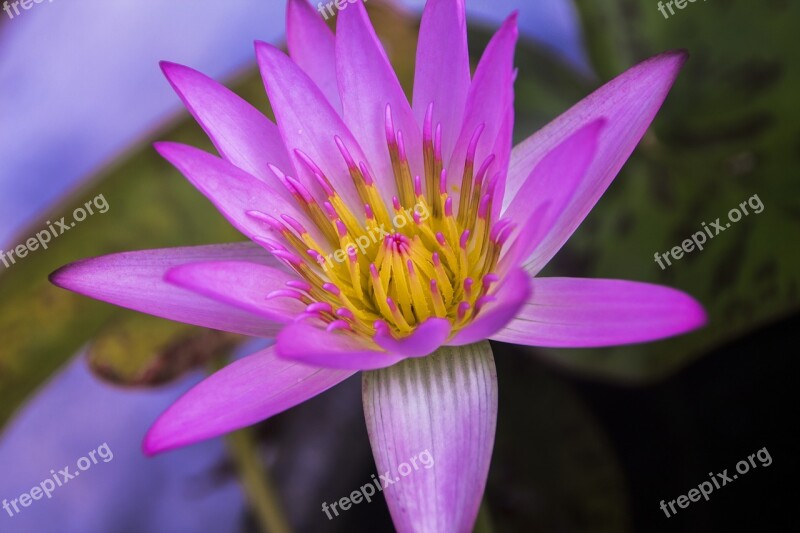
<point>391,238</point>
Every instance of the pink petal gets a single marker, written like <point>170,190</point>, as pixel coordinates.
<point>311,45</point>
<point>443,73</point>
<point>240,133</point>
<point>135,280</point>
<point>578,313</point>
<point>438,413</point>
<point>629,102</point>
<point>552,183</point>
<point>424,340</point>
<point>241,284</point>
<point>313,346</point>
<point>308,122</point>
<point>488,102</point>
<point>367,83</point>
<point>510,298</point>
<point>233,191</point>
<point>245,392</point>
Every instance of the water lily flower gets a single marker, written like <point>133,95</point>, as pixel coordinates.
<point>392,238</point>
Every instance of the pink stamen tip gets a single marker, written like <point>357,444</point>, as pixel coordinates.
<point>497,228</point>
<point>344,151</point>
<point>345,313</point>
<point>373,270</point>
<point>437,144</point>
<point>396,203</point>
<point>300,190</point>
<point>417,218</point>
<point>443,181</point>
<point>284,293</point>
<point>330,211</point>
<point>294,224</point>
<point>482,301</point>
<point>299,285</point>
<point>417,186</point>
<point>483,170</point>
<point>391,138</point>
<point>483,207</point>
<point>341,228</point>
<point>316,256</point>
<point>401,147</point>
<point>369,212</point>
<point>381,328</point>
<point>391,304</point>
<point>302,317</point>
<point>319,307</point>
<point>473,143</point>
<point>468,282</point>
<point>332,288</point>
<point>490,278</point>
<point>337,325</point>
<point>278,172</point>
<point>463,307</point>
<point>352,254</point>
<point>365,172</point>
<point>323,182</point>
<point>440,238</point>
<point>448,207</point>
<point>427,130</point>
<point>269,244</point>
<point>273,222</point>
<point>464,239</point>
<point>436,261</point>
<point>434,287</point>
<point>410,266</point>
<point>505,234</point>
<point>307,161</point>
<point>287,256</point>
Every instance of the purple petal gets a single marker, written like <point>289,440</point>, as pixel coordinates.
<point>629,102</point>
<point>510,298</point>
<point>245,392</point>
<point>312,46</point>
<point>424,340</point>
<point>136,280</point>
<point>551,184</point>
<point>240,133</point>
<point>438,413</point>
<point>488,102</point>
<point>233,191</point>
<point>583,313</point>
<point>367,83</point>
<point>241,284</point>
<point>313,346</point>
<point>443,73</point>
<point>308,122</point>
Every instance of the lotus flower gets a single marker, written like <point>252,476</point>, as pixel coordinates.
<point>394,239</point>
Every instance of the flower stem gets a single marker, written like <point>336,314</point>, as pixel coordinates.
<point>257,484</point>
<point>484,522</point>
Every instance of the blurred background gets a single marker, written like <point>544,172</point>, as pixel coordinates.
<point>588,440</point>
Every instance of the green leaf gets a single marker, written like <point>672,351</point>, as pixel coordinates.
<point>728,131</point>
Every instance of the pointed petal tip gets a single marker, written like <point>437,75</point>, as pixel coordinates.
<point>59,277</point>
